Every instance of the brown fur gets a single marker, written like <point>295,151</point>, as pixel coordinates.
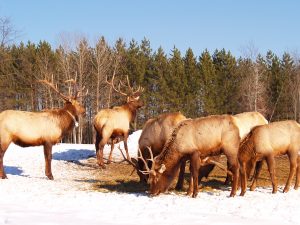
<point>37,128</point>
<point>245,122</point>
<point>112,123</point>
<point>198,138</point>
<point>264,143</point>
<point>155,133</point>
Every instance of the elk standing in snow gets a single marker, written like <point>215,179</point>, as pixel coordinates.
<point>112,123</point>
<point>245,122</point>
<point>203,137</point>
<point>39,128</point>
<point>266,142</point>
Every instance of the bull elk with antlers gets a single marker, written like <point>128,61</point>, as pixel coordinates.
<point>115,122</point>
<point>197,138</point>
<point>39,128</point>
<point>264,143</point>
<point>156,132</point>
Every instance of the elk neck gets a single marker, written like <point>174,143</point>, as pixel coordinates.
<point>131,108</point>
<point>247,148</point>
<point>170,155</point>
<point>68,117</point>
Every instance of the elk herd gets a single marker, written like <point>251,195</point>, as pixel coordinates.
<point>167,142</point>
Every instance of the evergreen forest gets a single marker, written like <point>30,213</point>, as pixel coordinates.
<point>194,83</point>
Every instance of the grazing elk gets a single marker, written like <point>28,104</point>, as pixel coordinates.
<point>113,123</point>
<point>39,128</point>
<point>245,122</point>
<point>266,142</point>
<point>198,138</point>
<point>156,132</point>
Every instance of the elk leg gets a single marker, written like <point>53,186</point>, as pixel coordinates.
<point>271,167</point>
<point>111,151</point>
<point>293,164</point>
<point>180,181</point>
<point>2,172</point>
<point>125,146</point>
<point>297,174</point>
<point>98,151</point>
<point>48,158</point>
<point>243,178</point>
<point>195,165</point>
<point>228,177</point>
<point>234,168</point>
<point>191,185</point>
<point>257,171</point>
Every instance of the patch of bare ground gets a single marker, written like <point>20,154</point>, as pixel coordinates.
<point>120,177</point>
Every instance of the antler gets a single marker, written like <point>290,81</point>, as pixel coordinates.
<point>148,170</point>
<point>113,86</point>
<point>76,91</point>
<point>66,98</point>
<point>133,92</point>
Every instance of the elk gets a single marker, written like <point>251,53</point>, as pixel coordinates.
<point>245,122</point>
<point>264,143</point>
<point>39,128</point>
<point>156,132</point>
<point>113,123</point>
<point>197,138</point>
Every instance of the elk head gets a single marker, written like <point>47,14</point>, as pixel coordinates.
<point>71,102</point>
<point>133,96</point>
<point>159,177</point>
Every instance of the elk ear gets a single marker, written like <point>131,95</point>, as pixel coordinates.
<point>162,168</point>
<point>137,98</point>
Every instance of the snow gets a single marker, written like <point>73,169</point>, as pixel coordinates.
<point>28,198</point>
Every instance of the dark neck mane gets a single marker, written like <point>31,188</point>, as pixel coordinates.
<point>132,109</point>
<point>247,146</point>
<point>168,152</point>
<point>65,120</point>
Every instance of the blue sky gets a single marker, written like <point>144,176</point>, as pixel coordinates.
<point>229,24</point>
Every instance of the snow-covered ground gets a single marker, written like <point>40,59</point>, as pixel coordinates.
<point>28,198</point>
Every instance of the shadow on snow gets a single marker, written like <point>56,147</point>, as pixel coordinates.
<point>73,155</point>
<point>13,170</point>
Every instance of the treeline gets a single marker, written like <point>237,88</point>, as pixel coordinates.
<point>211,83</point>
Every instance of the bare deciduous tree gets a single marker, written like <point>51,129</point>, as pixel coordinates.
<point>7,32</point>
<point>253,88</point>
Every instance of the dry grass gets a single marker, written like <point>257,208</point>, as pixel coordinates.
<point>116,177</point>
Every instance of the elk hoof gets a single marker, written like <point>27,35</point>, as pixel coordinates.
<point>274,191</point>
<point>232,195</point>
<point>4,176</point>
<point>102,166</point>
<point>285,190</point>
<point>252,188</point>
<point>242,193</point>
<point>296,187</point>
<point>194,195</point>
<point>50,177</point>
<point>189,193</point>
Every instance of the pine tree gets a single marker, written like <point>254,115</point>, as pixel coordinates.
<point>227,81</point>
<point>177,82</point>
<point>192,93</point>
<point>209,84</point>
